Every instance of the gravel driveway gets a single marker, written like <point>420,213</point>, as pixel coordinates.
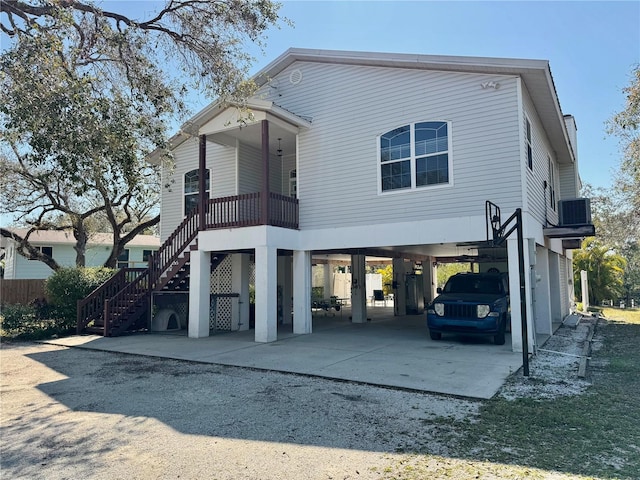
<point>73,413</point>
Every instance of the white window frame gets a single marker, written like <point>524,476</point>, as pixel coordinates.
<point>184,195</point>
<point>413,159</point>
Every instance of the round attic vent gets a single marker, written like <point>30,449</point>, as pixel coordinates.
<point>295,77</point>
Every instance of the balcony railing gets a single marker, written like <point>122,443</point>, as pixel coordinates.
<point>245,211</point>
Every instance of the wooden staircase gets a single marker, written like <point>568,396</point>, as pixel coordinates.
<point>122,304</point>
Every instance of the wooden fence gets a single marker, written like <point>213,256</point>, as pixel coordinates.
<point>20,291</point>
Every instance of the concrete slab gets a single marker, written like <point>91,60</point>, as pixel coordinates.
<point>388,351</point>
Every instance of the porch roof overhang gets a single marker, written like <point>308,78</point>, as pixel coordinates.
<point>224,123</point>
<point>232,123</point>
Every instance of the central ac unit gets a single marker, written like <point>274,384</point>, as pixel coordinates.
<point>576,211</point>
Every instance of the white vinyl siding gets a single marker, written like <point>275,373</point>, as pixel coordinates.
<point>537,198</point>
<point>220,162</point>
<point>250,169</point>
<point>351,106</point>
<point>65,255</point>
<point>568,182</point>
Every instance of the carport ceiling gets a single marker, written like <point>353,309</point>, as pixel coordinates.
<point>478,252</point>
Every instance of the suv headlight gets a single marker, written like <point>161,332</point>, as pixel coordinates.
<point>439,309</point>
<point>483,310</point>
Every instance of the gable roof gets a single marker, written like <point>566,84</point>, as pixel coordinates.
<point>58,237</point>
<point>536,75</point>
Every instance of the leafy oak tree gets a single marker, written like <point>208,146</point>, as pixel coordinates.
<point>619,208</point>
<point>89,92</point>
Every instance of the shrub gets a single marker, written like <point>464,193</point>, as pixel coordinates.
<point>30,322</point>
<point>68,285</point>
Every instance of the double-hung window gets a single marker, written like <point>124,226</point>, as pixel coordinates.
<point>191,187</point>
<point>414,156</point>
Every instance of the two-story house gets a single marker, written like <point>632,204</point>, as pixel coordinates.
<point>370,155</point>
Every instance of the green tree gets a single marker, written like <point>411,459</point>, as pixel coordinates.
<point>626,126</point>
<point>387,278</point>
<point>88,93</point>
<point>616,210</point>
<point>605,271</point>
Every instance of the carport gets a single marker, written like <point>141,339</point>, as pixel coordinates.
<point>389,351</point>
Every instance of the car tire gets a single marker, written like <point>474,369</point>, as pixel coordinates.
<point>435,335</point>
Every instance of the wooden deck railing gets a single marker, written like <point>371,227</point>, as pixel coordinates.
<point>114,299</point>
<point>91,308</point>
<point>244,211</point>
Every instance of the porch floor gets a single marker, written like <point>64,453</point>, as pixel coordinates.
<point>386,350</point>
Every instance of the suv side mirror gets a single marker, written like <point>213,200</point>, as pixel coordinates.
<point>439,290</point>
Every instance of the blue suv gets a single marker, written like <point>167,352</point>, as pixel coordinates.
<point>471,303</point>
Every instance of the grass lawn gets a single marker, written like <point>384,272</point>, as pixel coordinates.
<point>594,434</point>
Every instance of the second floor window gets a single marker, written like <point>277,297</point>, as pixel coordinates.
<point>191,193</point>
<point>528,141</point>
<point>415,155</point>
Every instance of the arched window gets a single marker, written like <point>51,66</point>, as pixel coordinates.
<point>415,155</point>
<point>191,193</point>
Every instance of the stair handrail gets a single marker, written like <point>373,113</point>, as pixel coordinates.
<point>91,307</point>
<point>159,261</point>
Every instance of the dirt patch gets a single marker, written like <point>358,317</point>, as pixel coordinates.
<point>553,371</point>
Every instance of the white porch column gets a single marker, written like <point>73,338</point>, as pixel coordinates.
<point>429,278</point>
<point>266,294</point>
<point>327,280</point>
<point>400,290</point>
<point>199,294</point>
<point>554,288</point>
<point>514,294</point>
<point>302,321</point>
<point>542,293</point>
<point>240,285</point>
<point>286,284</point>
<point>584,288</point>
<point>358,289</point>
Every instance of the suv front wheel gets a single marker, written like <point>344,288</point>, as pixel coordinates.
<point>499,338</point>
<point>435,335</point>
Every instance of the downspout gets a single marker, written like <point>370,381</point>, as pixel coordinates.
<point>264,214</point>
<point>202,172</point>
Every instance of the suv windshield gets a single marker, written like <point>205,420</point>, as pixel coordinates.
<point>474,284</point>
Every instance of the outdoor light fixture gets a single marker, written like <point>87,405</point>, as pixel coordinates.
<point>279,151</point>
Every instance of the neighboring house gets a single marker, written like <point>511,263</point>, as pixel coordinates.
<point>59,245</point>
<point>371,155</point>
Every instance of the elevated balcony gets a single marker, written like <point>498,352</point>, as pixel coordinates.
<point>250,209</point>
